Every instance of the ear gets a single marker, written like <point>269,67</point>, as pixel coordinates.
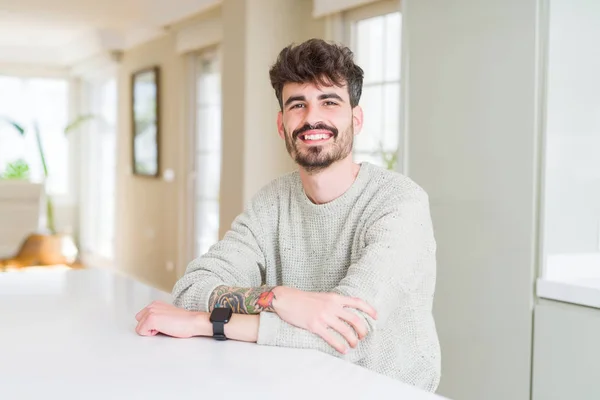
<point>280,125</point>
<point>357,119</point>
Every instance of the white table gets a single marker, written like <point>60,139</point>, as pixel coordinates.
<point>70,335</point>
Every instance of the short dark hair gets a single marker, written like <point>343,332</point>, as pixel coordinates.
<point>319,62</point>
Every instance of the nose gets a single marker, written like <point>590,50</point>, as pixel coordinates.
<point>313,115</point>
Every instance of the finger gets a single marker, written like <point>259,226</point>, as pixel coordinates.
<point>140,325</point>
<point>360,305</point>
<point>345,330</point>
<point>141,314</point>
<point>331,340</point>
<point>159,304</point>
<point>146,311</point>
<point>357,323</point>
<point>146,326</point>
<point>155,305</point>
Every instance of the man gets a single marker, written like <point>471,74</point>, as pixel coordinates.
<point>337,256</point>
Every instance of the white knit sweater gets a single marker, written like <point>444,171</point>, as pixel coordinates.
<point>374,242</point>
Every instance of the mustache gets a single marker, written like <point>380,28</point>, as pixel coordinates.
<point>321,126</point>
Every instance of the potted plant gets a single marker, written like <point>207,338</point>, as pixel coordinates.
<point>16,170</point>
<point>49,247</point>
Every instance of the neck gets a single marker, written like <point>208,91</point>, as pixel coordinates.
<point>331,182</point>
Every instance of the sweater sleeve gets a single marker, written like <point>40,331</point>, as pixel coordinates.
<point>395,268</point>
<point>236,260</point>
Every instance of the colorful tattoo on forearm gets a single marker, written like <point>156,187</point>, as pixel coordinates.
<point>243,300</point>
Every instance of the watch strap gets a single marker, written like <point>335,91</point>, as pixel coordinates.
<point>219,330</point>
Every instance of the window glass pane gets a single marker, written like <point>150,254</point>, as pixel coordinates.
<point>99,195</point>
<point>208,174</point>
<point>12,145</point>
<point>571,219</point>
<point>369,48</point>
<point>391,118</point>
<point>377,46</point>
<point>49,103</point>
<point>208,82</point>
<point>208,151</point>
<point>372,158</point>
<point>11,97</point>
<point>43,102</point>
<point>393,27</point>
<point>209,129</point>
<point>207,225</point>
<point>371,135</point>
<point>208,90</point>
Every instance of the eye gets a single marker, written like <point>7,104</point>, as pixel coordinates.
<point>297,105</point>
<point>330,103</point>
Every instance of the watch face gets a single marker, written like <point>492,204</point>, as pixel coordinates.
<point>221,315</point>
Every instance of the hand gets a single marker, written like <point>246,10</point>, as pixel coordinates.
<point>317,312</point>
<point>165,318</point>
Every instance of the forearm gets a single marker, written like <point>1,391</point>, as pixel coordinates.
<point>236,260</point>
<point>270,328</point>
<point>242,328</point>
<point>243,300</point>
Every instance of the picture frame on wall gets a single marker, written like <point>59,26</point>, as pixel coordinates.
<point>145,110</point>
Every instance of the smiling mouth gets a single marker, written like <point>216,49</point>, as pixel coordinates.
<point>314,138</point>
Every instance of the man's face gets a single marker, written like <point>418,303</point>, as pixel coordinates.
<point>318,124</point>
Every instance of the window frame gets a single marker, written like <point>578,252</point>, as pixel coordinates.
<point>349,19</point>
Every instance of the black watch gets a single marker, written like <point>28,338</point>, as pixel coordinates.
<point>219,317</point>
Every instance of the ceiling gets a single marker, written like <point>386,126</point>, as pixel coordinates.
<point>62,32</point>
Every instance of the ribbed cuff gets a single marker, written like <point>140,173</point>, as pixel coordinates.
<point>268,328</point>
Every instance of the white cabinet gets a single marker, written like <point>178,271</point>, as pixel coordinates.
<point>566,352</point>
<point>20,211</point>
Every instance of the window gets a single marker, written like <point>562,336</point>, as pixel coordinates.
<point>207,159</point>
<point>99,169</point>
<point>44,101</point>
<point>571,191</point>
<point>376,43</point>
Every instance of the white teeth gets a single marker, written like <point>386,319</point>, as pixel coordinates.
<point>316,137</point>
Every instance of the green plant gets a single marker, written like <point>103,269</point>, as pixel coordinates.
<point>16,170</point>
<point>390,158</point>
<point>72,126</point>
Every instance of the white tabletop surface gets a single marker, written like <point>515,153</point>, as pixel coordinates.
<point>70,335</point>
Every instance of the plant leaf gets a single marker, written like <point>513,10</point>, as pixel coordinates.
<point>18,169</point>
<point>15,125</point>
<point>77,122</point>
<point>38,139</point>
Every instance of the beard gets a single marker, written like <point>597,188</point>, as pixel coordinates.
<point>316,158</point>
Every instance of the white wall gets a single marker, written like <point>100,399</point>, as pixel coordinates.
<point>472,146</point>
<point>254,34</point>
<point>572,189</point>
<point>566,352</point>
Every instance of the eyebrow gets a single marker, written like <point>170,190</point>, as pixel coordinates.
<point>330,96</point>
<point>321,97</point>
<point>294,98</point>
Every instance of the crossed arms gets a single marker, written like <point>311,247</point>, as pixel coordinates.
<point>231,275</point>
